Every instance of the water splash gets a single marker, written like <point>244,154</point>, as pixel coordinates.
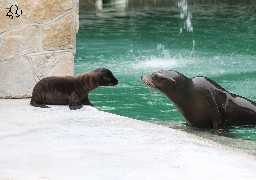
<point>186,15</point>
<point>163,61</point>
<point>153,63</point>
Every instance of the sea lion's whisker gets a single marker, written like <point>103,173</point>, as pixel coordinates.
<point>146,83</point>
<point>153,86</point>
<point>149,85</point>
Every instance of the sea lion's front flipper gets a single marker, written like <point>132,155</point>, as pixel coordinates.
<point>221,132</point>
<point>74,101</point>
<point>33,102</point>
<point>86,101</point>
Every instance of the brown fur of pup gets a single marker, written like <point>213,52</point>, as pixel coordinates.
<point>70,90</point>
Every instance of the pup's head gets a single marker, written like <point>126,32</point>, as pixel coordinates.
<point>105,77</point>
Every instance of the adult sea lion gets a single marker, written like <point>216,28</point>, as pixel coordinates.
<point>202,102</point>
<point>71,90</point>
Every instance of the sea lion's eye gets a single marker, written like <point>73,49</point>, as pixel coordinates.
<point>160,78</point>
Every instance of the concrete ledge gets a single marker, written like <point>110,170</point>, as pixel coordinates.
<point>57,143</point>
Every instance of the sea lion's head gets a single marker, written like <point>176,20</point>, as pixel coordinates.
<point>105,77</point>
<point>167,82</point>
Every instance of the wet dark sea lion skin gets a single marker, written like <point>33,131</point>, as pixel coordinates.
<point>203,102</point>
<point>70,90</point>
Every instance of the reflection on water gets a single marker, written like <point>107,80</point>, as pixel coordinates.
<point>136,41</point>
<point>111,8</point>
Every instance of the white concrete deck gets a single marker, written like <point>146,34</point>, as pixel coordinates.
<point>57,143</point>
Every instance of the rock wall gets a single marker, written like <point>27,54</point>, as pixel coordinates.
<point>37,39</point>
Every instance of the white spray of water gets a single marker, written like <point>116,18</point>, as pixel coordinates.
<point>186,15</point>
<point>164,61</point>
<point>155,63</point>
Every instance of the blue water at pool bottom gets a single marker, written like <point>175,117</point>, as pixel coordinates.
<point>140,41</point>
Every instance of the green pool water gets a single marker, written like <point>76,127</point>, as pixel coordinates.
<point>138,41</point>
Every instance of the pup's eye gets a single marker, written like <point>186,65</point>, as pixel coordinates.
<point>108,79</point>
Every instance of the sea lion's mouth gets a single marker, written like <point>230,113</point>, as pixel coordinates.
<point>148,83</point>
<point>112,84</point>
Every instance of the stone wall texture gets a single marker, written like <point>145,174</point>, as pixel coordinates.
<point>40,42</point>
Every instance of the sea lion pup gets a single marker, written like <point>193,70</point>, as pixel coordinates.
<point>71,90</point>
<point>204,103</point>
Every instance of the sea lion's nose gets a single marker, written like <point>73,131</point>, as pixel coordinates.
<point>143,78</point>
